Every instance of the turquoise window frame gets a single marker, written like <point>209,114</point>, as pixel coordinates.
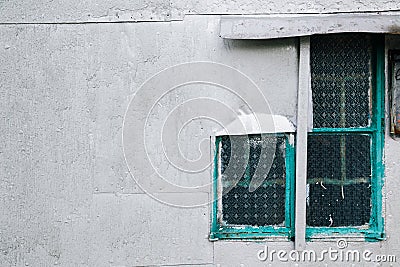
<point>375,232</point>
<point>376,130</point>
<point>219,231</point>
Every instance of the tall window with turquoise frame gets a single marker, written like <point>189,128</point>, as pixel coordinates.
<point>344,150</point>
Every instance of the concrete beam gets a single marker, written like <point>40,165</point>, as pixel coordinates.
<point>269,27</point>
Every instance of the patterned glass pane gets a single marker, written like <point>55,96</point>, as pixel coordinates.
<point>266,204</point>
<point>339,179</point>
<point>341,74</point>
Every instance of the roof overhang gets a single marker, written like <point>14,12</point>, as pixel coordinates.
<point>281,26</point>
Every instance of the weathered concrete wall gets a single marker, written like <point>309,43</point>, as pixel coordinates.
<point>66,196</point>
<point>150,10</point>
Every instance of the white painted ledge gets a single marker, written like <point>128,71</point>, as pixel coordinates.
<point>257,123</point>
<point>274,26</point>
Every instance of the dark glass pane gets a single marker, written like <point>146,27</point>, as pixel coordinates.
<point>266,204</point>
<point>339,179</point>
<point>327,207</point>
<point>341,72</point>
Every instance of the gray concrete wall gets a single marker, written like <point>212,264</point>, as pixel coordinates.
<point>67,196</point>
<point>151,10</point>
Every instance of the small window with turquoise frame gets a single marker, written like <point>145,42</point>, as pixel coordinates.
<point>253,183</point>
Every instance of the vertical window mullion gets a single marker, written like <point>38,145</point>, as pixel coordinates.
<point>301,142</point>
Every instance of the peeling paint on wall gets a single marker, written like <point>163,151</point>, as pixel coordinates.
<point>67,197</point>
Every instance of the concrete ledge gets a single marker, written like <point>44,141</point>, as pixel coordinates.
<point>269,27</point>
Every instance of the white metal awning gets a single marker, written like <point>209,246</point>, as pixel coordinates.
<point>257,123</point>
<point>280,26</point>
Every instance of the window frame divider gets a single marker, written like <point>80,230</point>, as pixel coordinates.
<point>303,98</point>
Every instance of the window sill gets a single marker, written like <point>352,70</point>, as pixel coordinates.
<point>348,233</point>
<point>249,233</point>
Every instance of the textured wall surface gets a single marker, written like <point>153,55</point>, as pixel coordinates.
<point>154,10</point>
<point>67,197</point>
